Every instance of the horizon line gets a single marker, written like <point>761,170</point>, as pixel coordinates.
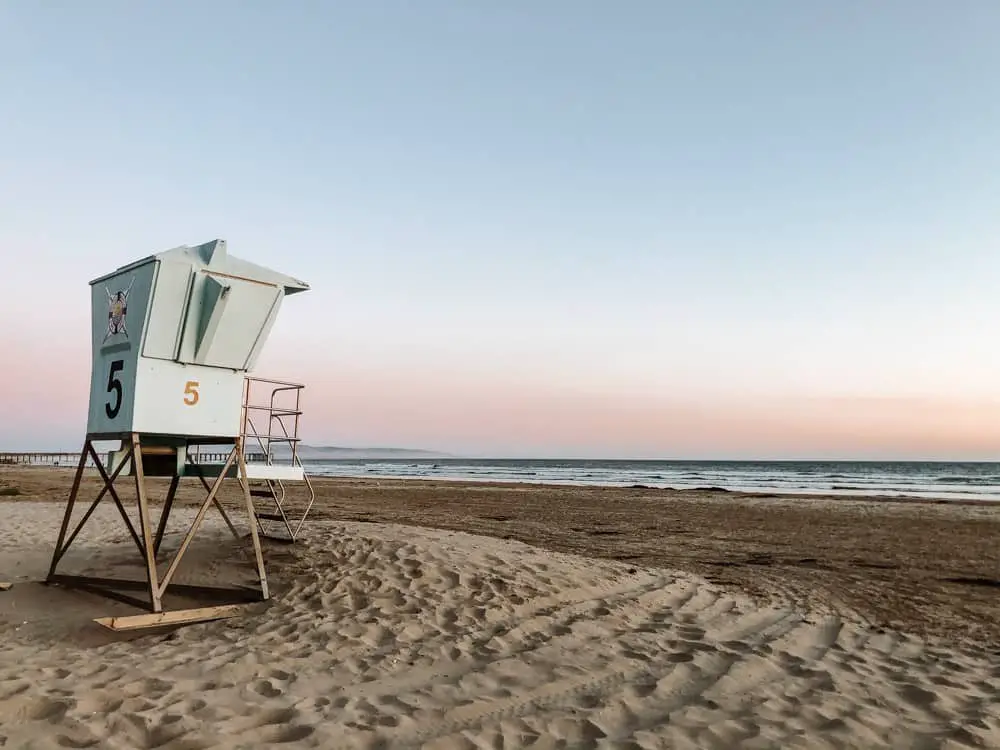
<point>442,456</point>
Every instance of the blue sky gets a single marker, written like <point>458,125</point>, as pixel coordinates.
<point>594,214</point>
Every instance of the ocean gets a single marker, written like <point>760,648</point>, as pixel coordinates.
<point>955,481</point>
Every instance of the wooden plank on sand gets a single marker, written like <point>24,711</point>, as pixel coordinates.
<point>176,617</point>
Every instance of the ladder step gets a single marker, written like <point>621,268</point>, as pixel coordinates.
<point>270,516</point>
<point>261,493</point>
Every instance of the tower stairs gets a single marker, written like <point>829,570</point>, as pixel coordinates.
<point>281,490</point>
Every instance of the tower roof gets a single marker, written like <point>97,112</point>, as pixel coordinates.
<point>213,256</point>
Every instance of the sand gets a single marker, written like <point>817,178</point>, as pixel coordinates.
<point>382,634</point>
<point>920,567</point>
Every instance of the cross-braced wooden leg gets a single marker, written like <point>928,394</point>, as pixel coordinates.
<point>108,488</point>
<point>69,507</point>
<point>144,523</point>
<point>197,522</point>
<point>168,504</point>
<point>208,488</point>
<point>252,517</point>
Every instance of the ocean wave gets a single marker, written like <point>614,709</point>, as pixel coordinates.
<point>984,481</point>
<point>925,480</point>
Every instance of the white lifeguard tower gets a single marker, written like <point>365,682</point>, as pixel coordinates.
<point>174,337</point>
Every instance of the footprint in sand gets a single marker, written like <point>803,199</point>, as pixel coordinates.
<point>680,657</point>
<point>266,689</point>
<point>276,717</point>
<point>19,687</point>
<point>64,740</point>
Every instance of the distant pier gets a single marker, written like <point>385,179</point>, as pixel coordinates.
<point>41,459</point>
<point>20,458</point>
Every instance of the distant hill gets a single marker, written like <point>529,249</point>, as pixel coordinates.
<point>314,452</point>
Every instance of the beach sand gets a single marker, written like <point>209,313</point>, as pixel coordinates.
<point>725,622</point>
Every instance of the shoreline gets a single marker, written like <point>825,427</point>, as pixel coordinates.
<point>949,480</point>
<point>770,493</point>
<point>758,492</point>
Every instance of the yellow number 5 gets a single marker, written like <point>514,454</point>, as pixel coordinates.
<point>191,392</point>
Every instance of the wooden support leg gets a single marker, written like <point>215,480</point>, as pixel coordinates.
<point>218,505</point>
<point>252,517</point>
<point>144,524</point>
<point>149,541</point>
<point>69,507</point>
<point>108,486</point>
<point>197,521</point>
<point>168,504</point>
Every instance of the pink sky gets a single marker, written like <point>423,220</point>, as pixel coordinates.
<point>487,419</point>
<point>468,414</point>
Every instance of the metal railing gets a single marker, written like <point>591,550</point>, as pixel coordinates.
<point>277,428</point>
<point>218,457</point>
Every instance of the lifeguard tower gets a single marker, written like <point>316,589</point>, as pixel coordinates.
<point>175,336</point>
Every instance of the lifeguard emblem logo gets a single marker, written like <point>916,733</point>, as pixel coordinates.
<point>117,311</point>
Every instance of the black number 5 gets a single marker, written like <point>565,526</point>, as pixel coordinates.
<point>114,386</point>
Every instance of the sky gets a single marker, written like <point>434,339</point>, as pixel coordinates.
<point>557,228</point>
